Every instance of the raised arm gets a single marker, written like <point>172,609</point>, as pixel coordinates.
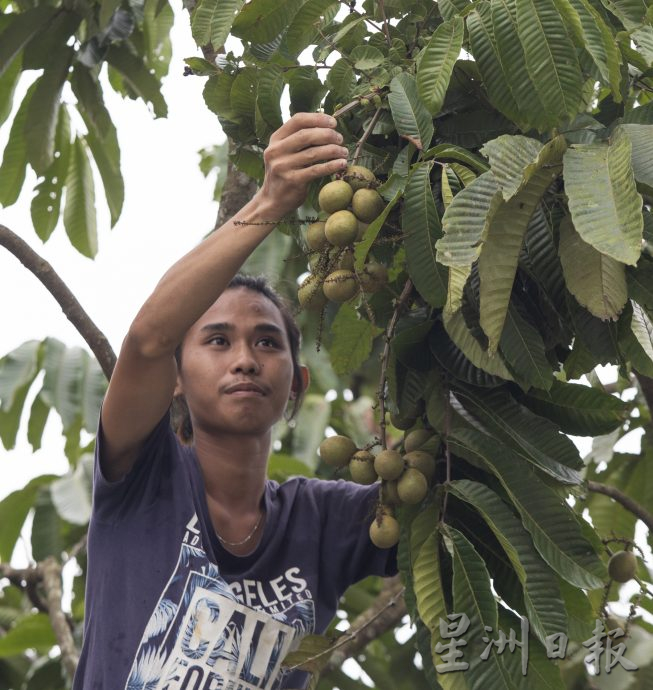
<point>306,147</point>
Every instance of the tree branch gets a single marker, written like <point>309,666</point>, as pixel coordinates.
<point>627,502</point>
<point>384,614</point>
<point>50,572</point>
<point>238,189</point>
<point>646,386</point>
<point>72,309</point>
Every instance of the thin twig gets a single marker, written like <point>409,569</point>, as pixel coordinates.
<point>627,502</point>
<point>366,134</point>
<point>73,310</point>
<point>386,30</point>
<point>447,450</point>
<point>399,306</point>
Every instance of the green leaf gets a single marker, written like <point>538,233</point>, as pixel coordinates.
<point>306,90</point>
<point>18,368</point>
<point>597,281</point>
<point>41,119</point>
<point>217,95</point>
<point>640,283</point>
<point>106,154</point>
<point>437,61</point>
<point>137,76</point>
<point>641,138</point>
<point>523,350</point>
<point>340,79</point>
<point>449,152</point>
<point>38,416</point>
<point>22,28</point>
<point>8,82</point>
<point>269,257</point>
<point>79,212</point>
<point>605,206</point>
<point>261,21</point>
<point>282,467</point>
<point>14,160</point>
<point>578,409</point>
<point>13,513</point>
<point>268,95</point>
<point>305,26</point>
<point>71,494</point>
<point>472,595</point>
<point>467,220</point>
<point>421,228</point>
<point>549,51</point>
<point>410,115</point>
<point>352,340</point>
<point>303,657</point>
<point>499,257</point>
<point>32,632</point>
<point>642,330</point>
<point>544,603</point>
<point>212,19</point>
<point>47,200</point>
<point>555,531</point>
<point>533,438</point>
<point>513,161</point>
<point>366,57</point>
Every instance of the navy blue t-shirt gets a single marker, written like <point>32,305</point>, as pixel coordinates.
<point>169,608</point>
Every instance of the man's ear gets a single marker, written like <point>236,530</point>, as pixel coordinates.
<point>306,380</point>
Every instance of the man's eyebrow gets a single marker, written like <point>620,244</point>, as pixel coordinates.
<point>225,327</point>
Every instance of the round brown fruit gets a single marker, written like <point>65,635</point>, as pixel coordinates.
<point>389,493</point>
<point>362,227</point>
<point>403,423</point>
<point>367,204</point>
<point>345,261</point>
<point>340,286</point>
<point>622,566</point>
<point>337,450</point>
<point>311,295</point>
<point>384,531</point>
<point>359,177</point>
<point>424,462</point>
<point>361,467</point>
<point>389,464</point>
<point>341,228</point>
<point>412,486</point>
<point>373,277</point>
<point>335,196</point>
<point>417,438</point>
<point>315,237</point>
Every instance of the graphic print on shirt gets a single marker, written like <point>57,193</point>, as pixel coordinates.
<point>207,635</point>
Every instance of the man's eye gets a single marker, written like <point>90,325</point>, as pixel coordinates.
<point>268,342</point>
<point>218,340</point>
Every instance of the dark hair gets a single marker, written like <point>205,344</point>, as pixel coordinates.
<point>180,414</point>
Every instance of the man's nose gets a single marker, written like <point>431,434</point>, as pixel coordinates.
<point>245,360</point>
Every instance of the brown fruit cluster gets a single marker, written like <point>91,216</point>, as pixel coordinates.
<point>352,204</point>
<point>405,478</point>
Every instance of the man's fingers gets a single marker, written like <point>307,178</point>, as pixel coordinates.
<point>301,121</point>
<point>312,172</point>
<point>317,154</point>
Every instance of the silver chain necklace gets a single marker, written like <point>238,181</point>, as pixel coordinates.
<point>246,539</point>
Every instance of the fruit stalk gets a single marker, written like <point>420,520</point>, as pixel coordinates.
<point>366,134</point>
<point>399,306</point>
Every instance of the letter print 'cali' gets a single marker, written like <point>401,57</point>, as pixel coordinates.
<point>201,636</point>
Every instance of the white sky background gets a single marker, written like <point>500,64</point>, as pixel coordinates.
<point>168,209</point>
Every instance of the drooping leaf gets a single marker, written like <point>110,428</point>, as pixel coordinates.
<point>553,527</point>
<point>639,347</point>
<point>31,632</point>
<point>366,57</point>
<point>71,494</point>
<point>18,368</point>
<point>578,409</point>
<point>640,283</point>
<point>305,89</point>
<point>449,152</point>
<point>8,82</point>
<point>304,28</point>
<point>437,62</point>
<point>352,342</point>
<point>47,200</point>
<point>605,207</point>
<point>410,115</point>
<point>268,95</point>
<point>421,228</point>
<point>212,19</point>
<point>597,281</point>
<point>544,604</point>
<point>22,28</point>
<point>79,212</point>
<point>261,21</point>
<point>14,159</point>
<point>38,416</point>
<point>641,138</point>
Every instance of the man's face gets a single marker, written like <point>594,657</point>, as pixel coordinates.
<point>237,370</point>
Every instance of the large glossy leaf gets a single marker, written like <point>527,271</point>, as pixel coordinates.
<point>467,220</point>
<point>578,409</point>
<point>306,24</point>
<point>42,114</point>
<point>261,21</point>
<point>597,281</point>
<point>523,351</point>
<point>437,61</point>
<point>499,257</point>
<point>138,77</point>
<point>421,228</point>
<point>352,340</point>
<point>412,119</point>
<point>306,89</point>
<point>47,200</point>
<point>31,632</point>
<point>212,19</point>
<point>473,596</point>
<point>79,212</point>
<point>8,82</point>
<point>23,27</point>
<point>533,438</point>
<point>555,531</point>
<point>544,604</point>
<point>605,206</point>
<point>14,159</point>
<point>641,138</point>
<point>14,509</point>
<point>268,95</point>
<point>549,51</point>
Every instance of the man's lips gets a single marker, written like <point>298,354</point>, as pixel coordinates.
<point>248,387</point>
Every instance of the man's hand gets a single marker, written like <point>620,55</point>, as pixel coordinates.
<point>303,149</point>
